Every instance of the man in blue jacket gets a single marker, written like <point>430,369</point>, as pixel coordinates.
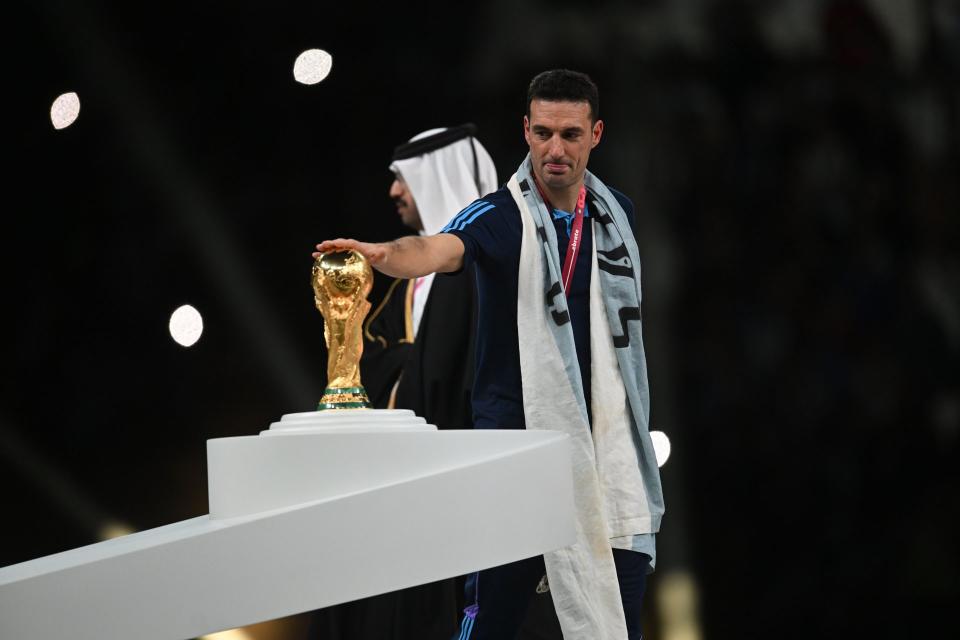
<point>557,265</point>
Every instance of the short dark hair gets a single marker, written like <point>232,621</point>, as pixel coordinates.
<point>564,85</point>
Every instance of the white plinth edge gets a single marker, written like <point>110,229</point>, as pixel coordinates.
<point>349,421</point>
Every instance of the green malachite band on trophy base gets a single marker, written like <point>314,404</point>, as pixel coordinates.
<point>340,390</point>
<point>342,405</point>
<point>344,398</point>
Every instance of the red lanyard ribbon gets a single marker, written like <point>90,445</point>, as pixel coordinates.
<point>576,231</point>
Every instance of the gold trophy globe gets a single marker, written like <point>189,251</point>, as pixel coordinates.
<point>341,282</point>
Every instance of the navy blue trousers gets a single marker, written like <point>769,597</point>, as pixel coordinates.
<point>497,598</point>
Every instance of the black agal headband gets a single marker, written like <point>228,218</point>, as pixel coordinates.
<point>439,141</point>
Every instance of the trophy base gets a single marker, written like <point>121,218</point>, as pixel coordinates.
<point>350,422</point>
<point>339,398</point>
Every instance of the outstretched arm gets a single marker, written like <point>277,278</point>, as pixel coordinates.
<point>406,257</point>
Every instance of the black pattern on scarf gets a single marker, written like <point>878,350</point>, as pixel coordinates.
<point>614,254</point>
<point>603,218</point>
<point>626,314</point>
<point>615,269</point>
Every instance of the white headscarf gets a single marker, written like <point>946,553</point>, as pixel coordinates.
<point>442,184</point>
<point>442,181</point>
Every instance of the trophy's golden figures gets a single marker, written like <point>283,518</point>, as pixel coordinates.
<point>341,282</point>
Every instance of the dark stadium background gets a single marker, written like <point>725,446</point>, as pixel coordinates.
<point>794,165</point>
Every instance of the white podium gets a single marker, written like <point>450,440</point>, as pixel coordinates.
<point>322,508</point>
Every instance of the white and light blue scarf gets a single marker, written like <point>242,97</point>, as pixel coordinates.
<point>616,480</point>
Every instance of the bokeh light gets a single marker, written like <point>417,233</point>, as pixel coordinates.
<point>186,325</point>
<point>65,110</point>
<point>312,66</point>
<point>661,446</point>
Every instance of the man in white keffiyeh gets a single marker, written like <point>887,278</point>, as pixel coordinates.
<point>437,172</point>
<point>559,346</point>
<point>418,349</point>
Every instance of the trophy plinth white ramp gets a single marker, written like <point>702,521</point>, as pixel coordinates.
<point>320,509</point>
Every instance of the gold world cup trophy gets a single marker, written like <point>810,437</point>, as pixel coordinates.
<point>341,282</point>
